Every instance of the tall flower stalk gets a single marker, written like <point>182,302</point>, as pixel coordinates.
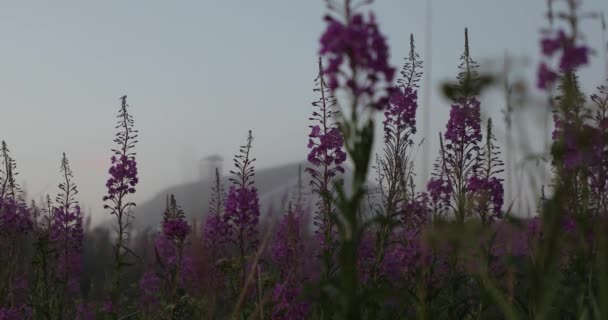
<point>459,146</point>
<point>326,158</point>
<point>287,254</point>
<point>599,173</point>
<point>15,225</point>
<point>486,192</point>
<point>121,184</point>
<point>215,227</point>
<point>9,189</point>
<point>358,67</point>
<point>395,167</point>
<point>175,229</point>
<point>66,236</point>
<point>242,210</point>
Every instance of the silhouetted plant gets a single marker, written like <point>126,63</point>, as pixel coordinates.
<point>326,157</point>
<point>395,166</point>
<point>459,146</point>
<point>122,182</point>
<point>242,210</point>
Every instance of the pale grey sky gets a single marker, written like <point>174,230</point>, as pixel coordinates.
<point>199,74</point>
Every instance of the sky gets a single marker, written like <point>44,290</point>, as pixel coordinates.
<point>200,74</point>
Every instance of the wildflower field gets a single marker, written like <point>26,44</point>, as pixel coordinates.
<point>358,238</point>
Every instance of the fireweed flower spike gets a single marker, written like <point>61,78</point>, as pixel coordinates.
<point>358,66</point>
<point>395,166</point>
<point>356,42</point>
<point>566,47</point>
<point>459,152</point>
<point>326,158</point>
<point>9,189</point>
<point>486,188</point>
<point>15,226</point>
<point>598,176</point>
<point>287,254</point>
<point>242,210</point>
<point>66,235</point>
<point>215,228</point>
<point>175,229</point>
<point>122,182</point>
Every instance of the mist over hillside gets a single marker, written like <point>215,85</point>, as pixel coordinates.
<point>274,184</point>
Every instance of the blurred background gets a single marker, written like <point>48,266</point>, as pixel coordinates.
<point>200,74</point>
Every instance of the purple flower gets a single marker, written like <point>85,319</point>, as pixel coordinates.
<point>400,113</point>
<point>67,235</point>
<point>21,312</point>
<point>464,126</point>
<point>492,187</point>
<point>242,214</point>
<point>545,76</point>
<point>403,256</point>
<point>439,189</point>
<point>327,150</point>
<point>169,254</point>
<point>287,304</point>
<point>416,212</point>
<point>579,146</point>
<point>150,286</point>
<point>14,218</point>
<point>176,229</point>
<point>358,43</point>
<point>123,177</point>
<point>551,45</point>
<point>366,256</point>
<point>287,247</point>
<point>326,157</point>
<point>215,231</point>
<point>573,57</point>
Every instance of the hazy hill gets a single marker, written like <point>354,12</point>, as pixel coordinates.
<point>274,184</point>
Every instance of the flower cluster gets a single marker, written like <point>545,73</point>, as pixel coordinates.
<point>440,190</point>
<point>243,213</point>
<point>16,313</point>
<point>416,211</point>
<point>401,111</point>
<point>580,147</point>
<point>150,286</point>
<point>464,126</point>
<point>287,302</point>
<point>358,43</point>
<point>173,258</point>
<point>327,150</point>
<point>488,188</point>
<point>67,235</point>
<point>123,169</point>
<point>15,217</point>
<point>326,157</point>
<point>122,182</point>
<point>366,256</point>
<point>287,250</point>
<point>403,255</point>
<point>176,229</point>
<point>287,243</point>
<point>242,207</point>
<point>123,176</point>
<point>215,230</point>
<point>572,56</point>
